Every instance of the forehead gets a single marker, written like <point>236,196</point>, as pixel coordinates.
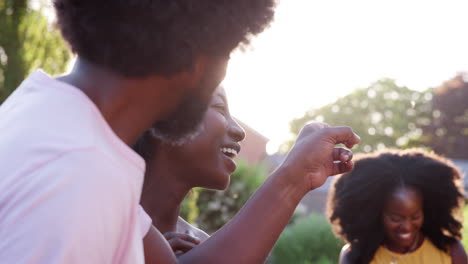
<point>404,200</point>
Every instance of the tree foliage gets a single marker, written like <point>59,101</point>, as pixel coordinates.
<point>189,209</point>
<point>383,114</point>
<point>448,132</point>
<point>27,42</point>
<point>216,208</point>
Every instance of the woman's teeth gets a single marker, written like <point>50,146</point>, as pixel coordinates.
<point>229,151</point>
<point>405,236</point>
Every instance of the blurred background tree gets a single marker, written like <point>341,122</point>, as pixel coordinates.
<point>447,134</point>
<point>212,208</point>
<point>189,209</point>
<point>383,114</point>
<point>27,41</point>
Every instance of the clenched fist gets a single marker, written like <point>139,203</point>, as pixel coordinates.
<point>315,156</point>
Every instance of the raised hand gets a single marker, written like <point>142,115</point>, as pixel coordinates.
<point>315,156</point>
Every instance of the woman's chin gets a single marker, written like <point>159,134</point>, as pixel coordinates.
<point>219,184</point>
<point>223,185</point>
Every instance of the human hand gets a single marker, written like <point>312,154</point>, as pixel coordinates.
<point>315,156</point>
<point>181,243</point>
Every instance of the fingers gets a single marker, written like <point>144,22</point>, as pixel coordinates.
<point>342,167</point>
<point>337,135</point>
<point>187,237</point>
<point>313,127</point>
<point>181,242</point>
<point>178,244</point>
<point>342,154</point>
<point>342,160</point>
<point>343,135</point>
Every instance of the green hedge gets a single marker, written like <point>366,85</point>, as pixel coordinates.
<point>210,210</point>
<point>216,208</point>
<point>308,240</point>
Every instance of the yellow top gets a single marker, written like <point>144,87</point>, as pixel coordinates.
<point>427,253</point>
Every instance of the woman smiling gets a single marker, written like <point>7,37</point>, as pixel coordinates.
<point>399,207</point>
<point>206,160</point>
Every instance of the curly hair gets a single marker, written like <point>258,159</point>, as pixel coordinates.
<point>137,38</point>
<point>357,198</point>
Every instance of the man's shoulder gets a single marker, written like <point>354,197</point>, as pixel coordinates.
<point>43,110</point>
<point>45,117</point>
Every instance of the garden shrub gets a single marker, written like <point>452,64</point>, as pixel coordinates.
<point>307,240</point>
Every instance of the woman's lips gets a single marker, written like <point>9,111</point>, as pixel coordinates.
<point>405,236</point>
<point>229,162</point>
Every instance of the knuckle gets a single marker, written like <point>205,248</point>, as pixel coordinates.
<point>348,129</point>
<point>309,127</point>
<point>315,125</point>
<point>345,128</point>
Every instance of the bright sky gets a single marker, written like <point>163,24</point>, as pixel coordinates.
<point>316,51</point>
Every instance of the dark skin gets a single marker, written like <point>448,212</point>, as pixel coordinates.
<point>403,218</point>
<point>179,242</point>
<point>172,171</point>
<point>458,253</point>
<point>131,106</point>
<point>268,211</point>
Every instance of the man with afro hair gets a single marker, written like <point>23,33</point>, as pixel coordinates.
<point>70,184</point>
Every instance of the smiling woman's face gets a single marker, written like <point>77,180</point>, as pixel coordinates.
<point>403,218</point>
<point>208,159</point>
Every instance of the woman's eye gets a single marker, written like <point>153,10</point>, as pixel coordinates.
<point>220,107</point>
<point>416,217</point>
<point>395,219</point>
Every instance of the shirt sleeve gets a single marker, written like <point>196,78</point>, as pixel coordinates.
<point>145,221</point>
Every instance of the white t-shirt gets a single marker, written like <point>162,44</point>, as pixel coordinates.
<point>69,187</point>
<point>185,228</point>
<point>182,226</point>
<point>145,221</point>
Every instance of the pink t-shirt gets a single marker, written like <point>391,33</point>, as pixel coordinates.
<point>69,187</point>
<point>145,221</point>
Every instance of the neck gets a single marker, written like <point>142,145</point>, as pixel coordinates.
<point>127,104</point>
<point>163,193</point>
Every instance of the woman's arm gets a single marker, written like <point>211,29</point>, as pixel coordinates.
<point>458,253</point>
<point>251,234</point>
<point>156,248</point>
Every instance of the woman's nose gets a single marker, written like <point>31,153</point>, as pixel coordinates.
<point>406,226</point>
<point>236,131</point>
